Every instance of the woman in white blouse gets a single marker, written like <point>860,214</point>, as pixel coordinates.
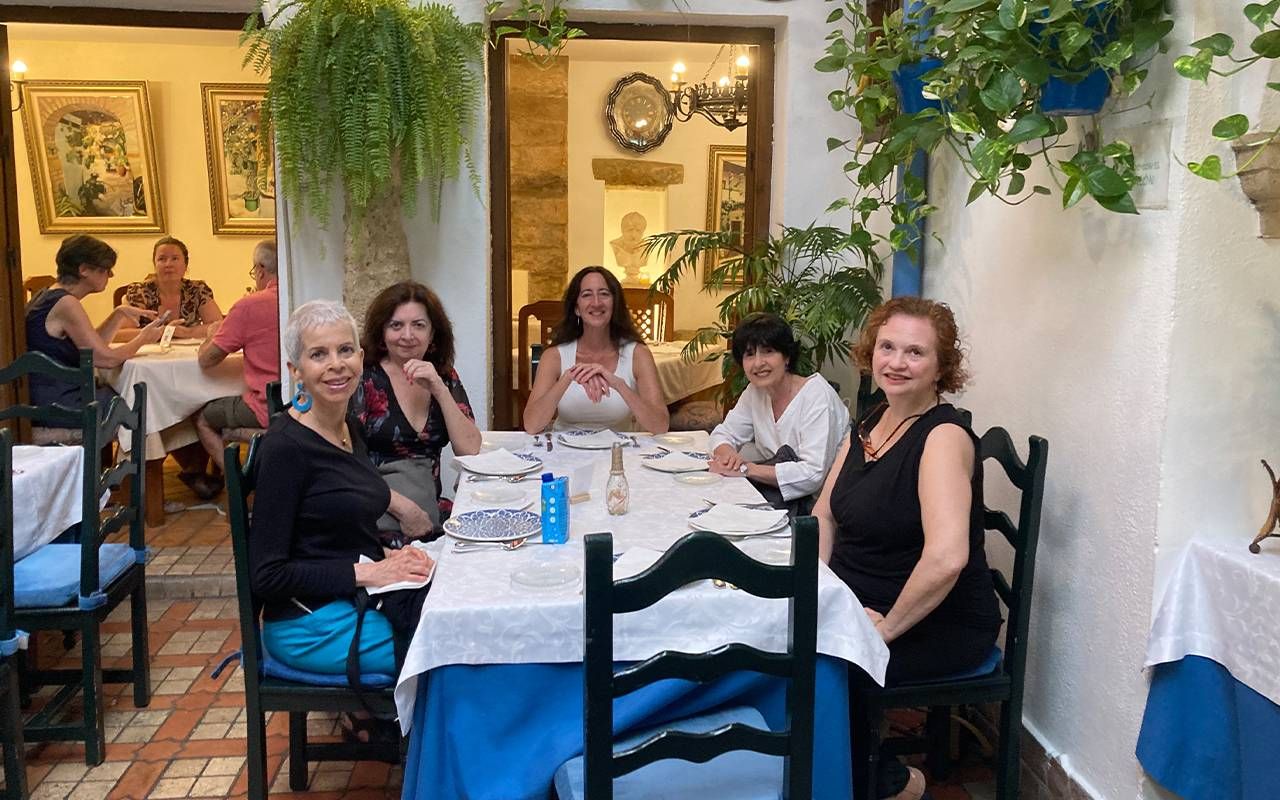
<point>785,429</point>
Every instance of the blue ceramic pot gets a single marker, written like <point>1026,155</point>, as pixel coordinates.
<point>1061,98</point>
<point>907,79</point>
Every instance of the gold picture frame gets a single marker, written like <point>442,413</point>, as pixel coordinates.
<point>241,169</point>
<point>726,196</point>
<point>93,156</point>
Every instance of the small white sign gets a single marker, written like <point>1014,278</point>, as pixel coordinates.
<point>1152,146</point>
<point>166,338</point>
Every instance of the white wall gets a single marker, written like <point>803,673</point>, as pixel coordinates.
<point>453,255</point>
<point>591,78</point>
<point>1144,350</point>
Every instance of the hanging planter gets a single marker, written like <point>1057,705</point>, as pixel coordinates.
<point>1060,97</point>
<point>909,81</point>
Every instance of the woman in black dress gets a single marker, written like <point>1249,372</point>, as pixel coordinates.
<point>900,516</point>
<point>411,403</point>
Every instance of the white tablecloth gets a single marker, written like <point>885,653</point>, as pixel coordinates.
<point>47,485</point>
<point>176,388</point>
<point>475,615</point>
<point>1221,604</point>
<point>679,378</point>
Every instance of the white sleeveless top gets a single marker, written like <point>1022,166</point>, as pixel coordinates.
<point>576,410</point>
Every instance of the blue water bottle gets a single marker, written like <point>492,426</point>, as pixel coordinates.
<point>555,509</point>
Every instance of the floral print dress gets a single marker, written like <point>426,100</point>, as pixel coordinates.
<point>146,294</point>
<point>387,430</point>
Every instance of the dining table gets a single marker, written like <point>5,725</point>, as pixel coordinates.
<point>491,691</point>
<point>50,479</point>
<point>679,378</point>
<point>177,387</point>
<point>1212,715</point>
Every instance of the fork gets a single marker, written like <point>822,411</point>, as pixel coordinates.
<point>508,479</point>
<point>514,544</point>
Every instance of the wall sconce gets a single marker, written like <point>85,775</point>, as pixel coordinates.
<point>17,77</point>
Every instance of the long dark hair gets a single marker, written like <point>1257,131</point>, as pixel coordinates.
<point>383,307</point>
<point>622,328</point>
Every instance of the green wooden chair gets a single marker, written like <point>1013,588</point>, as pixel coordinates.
<point>697,740</point>
<point>11,639</point>
<point>272,686</point>
<point>1001,678</point>
<point>74,587</point>
<point>47,429</point>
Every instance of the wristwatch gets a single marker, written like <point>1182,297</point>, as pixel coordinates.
<point>742,468</point>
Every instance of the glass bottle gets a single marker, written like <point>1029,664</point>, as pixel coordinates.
<point>617,492</point>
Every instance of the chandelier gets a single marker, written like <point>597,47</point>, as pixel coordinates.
<point>724,101</point>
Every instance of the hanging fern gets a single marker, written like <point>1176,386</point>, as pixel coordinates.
<point>358,88</point>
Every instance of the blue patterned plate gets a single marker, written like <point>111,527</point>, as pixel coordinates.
<point>493,525</point>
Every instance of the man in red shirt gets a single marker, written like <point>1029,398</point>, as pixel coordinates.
<point>252,325</point>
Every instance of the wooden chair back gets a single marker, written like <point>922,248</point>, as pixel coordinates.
<point>698,556</point>
<point>37,284</point>
<point>548,314</point>
<point>15,777</point>
<point>653,312</point>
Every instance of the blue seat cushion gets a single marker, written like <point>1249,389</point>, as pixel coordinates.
<point>276,669</point>
<point>50,577</point>
<point>989,665</point>
<point>736,775</point>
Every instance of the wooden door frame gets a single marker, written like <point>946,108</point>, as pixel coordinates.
<point>759,168</point>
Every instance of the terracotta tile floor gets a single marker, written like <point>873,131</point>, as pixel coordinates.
<point>190,741</point>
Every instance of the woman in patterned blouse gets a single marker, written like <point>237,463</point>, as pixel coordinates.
<point>410,401</point>
<point>191,302</point>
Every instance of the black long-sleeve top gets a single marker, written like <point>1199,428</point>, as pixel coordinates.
<point>315,513</point>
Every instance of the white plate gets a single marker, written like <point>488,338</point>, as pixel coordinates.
<point>542,577</point>
<point>535,464</point>
<point>585,440</point>
<point>673,439</point>
<point>652,462</point>
<point>693,524</point>
<point>501,497</point>
<point>698,478</point>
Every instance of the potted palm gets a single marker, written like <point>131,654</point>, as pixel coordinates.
<point>377,96</point>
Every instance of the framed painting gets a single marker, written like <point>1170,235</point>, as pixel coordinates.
<point>726,195</point>
<point>241,164</point>
<point>93,156</point>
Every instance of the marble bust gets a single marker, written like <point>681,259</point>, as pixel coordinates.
<point>628,248</point>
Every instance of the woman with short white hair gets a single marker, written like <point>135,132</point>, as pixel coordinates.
<point>318,503</point>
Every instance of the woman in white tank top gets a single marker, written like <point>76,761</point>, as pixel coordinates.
<point>599,374</point>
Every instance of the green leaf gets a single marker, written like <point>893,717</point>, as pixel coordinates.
<point>1073,38</point>
<point>1232,127</point>
<point>1034,71</point>
<point>1195,67</point>
<point>1073,192</point>
<point>1038,189</point>
<point>1121,204</point>
<point>1058,9</point>
<point>1017,181</point>
<point>976,191</point>
<point>1260,14</point>
<point>1032,126</point>
<point>830,63</point>
<point>1267,45</point>
<point>835,15</point>
<point>1219,44</point>
<point>1146,36</point>
<point>964,122</point>
<point>962,5</point>
<point>1103,181</point>
<point>1210,169</point>
<point>1002,92</point>
<point>1275,87</point>
<point>988,158</point>
<point>1020,161</point>
<point>1013,13</point>
<point>833,143</point>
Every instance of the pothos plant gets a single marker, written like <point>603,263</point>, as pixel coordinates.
<point>984,65</point>
<point>546,28</point>
<point>822,280</point>
<point>1263,48</point>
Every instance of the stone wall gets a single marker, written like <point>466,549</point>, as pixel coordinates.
<point>538,131</point>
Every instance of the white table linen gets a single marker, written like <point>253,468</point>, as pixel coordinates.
<point>679,378</point>
<point>176,388</point>
<point>1220,604</point>
<point>47,484</point>
<point>476,615</point>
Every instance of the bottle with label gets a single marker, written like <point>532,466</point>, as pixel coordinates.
<point>617,492</point>
<point>555,509</point>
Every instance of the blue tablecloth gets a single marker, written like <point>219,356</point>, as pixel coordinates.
<point>498,732</point>
<point>1206,736</point>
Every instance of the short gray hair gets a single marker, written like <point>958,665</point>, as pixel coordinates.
<point>264,255</point>
<point>312,315</point>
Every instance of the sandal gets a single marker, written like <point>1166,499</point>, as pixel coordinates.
<point>363,729</point>
<point>914,789</point>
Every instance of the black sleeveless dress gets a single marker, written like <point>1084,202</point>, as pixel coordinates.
<point>45,390</point>
<point>879,540</point>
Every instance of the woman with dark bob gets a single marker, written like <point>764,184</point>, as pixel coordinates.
<point>58,326</point>
<point>900,516</point>
<point>785,429</point>
<point>598,374</point>
<point>190,303</point>
<point>411,403</point>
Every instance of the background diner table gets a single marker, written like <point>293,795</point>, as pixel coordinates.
<point>492,684</point>
<point>1213,709</point>
<point>679,378</point>
<point>51,480</point>
<point>176,388</point>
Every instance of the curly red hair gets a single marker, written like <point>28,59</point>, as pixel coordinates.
<point>952,374</point>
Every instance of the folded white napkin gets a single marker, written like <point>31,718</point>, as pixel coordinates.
<point>634,561</point>
<point>604,438</point>
<point>495,462</point>
<point>676,462</point>
<point>728,518</point>
<point>404,584</point>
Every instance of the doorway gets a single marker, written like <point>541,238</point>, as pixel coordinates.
<point>566,192</point>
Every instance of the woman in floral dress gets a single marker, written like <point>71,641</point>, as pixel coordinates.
<point>410,401</point>
<point>190,302</point>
